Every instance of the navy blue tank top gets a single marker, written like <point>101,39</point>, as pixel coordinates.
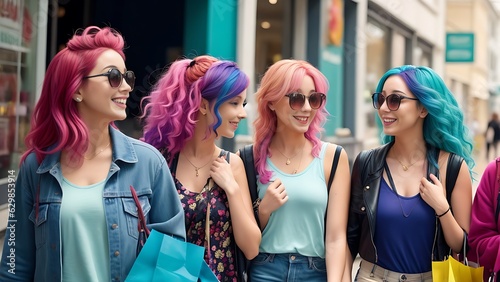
<point>405,231</point>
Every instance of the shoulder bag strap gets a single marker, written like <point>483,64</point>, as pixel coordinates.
<point>334,166</point>
<point>335,163</point>
<point>452,170</point>
<point>141,222</point>
<point>246,154</point>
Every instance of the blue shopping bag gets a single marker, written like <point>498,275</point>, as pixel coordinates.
<point>164,258</point>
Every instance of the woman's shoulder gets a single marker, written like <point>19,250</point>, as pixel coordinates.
<point>144,150</point>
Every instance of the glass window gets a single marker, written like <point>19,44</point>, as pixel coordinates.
<point>398,49</point>
<point>377,63</point>
<point>271,34</point>
<point>423,54</point>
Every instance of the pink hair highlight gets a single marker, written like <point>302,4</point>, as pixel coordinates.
<point>175,94</point>
<point>281,78</point>
<point>56,124</point>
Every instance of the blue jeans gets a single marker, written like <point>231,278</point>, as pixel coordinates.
<point>287,267</point>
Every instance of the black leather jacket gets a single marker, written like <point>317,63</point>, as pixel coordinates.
<point>365,186</point>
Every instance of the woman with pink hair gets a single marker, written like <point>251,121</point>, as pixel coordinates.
<point>75,217</point>
<point>204,99</point>
<point>294,167</point>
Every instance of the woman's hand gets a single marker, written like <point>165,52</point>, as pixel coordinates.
<point>222,174</point>
<point>274,198</point>
<point>433,194</point>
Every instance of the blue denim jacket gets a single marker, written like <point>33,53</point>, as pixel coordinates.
<point>32,246</point>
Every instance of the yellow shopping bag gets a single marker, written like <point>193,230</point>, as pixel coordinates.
<point>452,270</point>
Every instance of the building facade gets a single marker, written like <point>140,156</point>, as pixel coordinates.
<point>23,33</point>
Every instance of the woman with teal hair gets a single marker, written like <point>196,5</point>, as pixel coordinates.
<point>421,176</point>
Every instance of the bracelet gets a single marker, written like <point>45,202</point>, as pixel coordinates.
<point>438,216</point>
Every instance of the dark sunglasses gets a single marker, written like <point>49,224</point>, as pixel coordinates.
<point>393,100</point>
<point>297,100</point>
<point>115,77</point>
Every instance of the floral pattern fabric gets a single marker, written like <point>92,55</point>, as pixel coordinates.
<point>220,254</point>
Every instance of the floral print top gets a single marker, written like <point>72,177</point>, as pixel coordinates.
<point>220,255</point>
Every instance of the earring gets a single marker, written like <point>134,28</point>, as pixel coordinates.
<point>78,99</point>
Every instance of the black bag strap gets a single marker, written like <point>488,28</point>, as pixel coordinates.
<point>335,164</point>
<point>246,154</point>
<point>452,170</point>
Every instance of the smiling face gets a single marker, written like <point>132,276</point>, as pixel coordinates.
<point>232,112</point>
<point>100,102</point>
<point>300,119</point>
<point>410,115</point>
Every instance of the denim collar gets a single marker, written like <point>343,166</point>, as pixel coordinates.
<point>123,150</point>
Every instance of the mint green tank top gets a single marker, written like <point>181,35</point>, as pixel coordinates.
<point>85,248</point>
<point>298,226</point>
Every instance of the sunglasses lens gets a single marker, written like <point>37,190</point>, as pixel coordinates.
<point>115,78</point>
<point>316,100</point>
<point>130,78</point>
<point>393,102</point>
<point>297,100</point>
<point>378,100</point>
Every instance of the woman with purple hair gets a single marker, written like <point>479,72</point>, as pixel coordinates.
<point>75,217</point>
<point>411,197</point>
<point>193,104</point>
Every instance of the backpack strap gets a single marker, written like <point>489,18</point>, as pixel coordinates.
<point>452,170</point>
<point>335,163</point>
<point>246,155</point>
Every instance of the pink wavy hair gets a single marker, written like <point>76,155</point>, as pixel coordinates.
<point>56,124</point>
<point>281,78</point>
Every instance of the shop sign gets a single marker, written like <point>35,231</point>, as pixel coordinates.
<point>460,47</point>
<point>10,38</point>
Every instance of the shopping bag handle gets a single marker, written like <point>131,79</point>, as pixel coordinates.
<point>141,220</point>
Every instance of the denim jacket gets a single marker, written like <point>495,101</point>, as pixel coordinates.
<point>32,246</point>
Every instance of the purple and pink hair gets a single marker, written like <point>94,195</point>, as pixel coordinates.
<point>56,124</point>
<point>281,78</point>
<point>172,109</point>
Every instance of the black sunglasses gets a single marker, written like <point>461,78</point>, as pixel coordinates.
<point>393,100</point>
<point>115,77</point>
<point>297,100</point>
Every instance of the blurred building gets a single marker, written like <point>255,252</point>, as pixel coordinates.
<point>23,40</point>
<point>353,42</point>
<point>472,61</point>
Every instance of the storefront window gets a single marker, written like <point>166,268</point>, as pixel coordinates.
<point>377,63</point>
<point>18,66</point>
<point>423,54</point>
<point>271,33</point>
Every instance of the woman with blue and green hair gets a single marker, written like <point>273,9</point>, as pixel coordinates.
<point>420,177</point>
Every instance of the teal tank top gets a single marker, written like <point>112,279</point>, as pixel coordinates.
<point>298,226</point>
<point>85,248</point>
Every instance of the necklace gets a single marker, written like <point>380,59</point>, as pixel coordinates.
<point>300,161</point>
<point>391,182</point>
<point>95,155</point>
<point>197,168</point>
<point>288,162</point>
<point>406,167</point>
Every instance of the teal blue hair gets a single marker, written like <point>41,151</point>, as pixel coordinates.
<point>444,126</point>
